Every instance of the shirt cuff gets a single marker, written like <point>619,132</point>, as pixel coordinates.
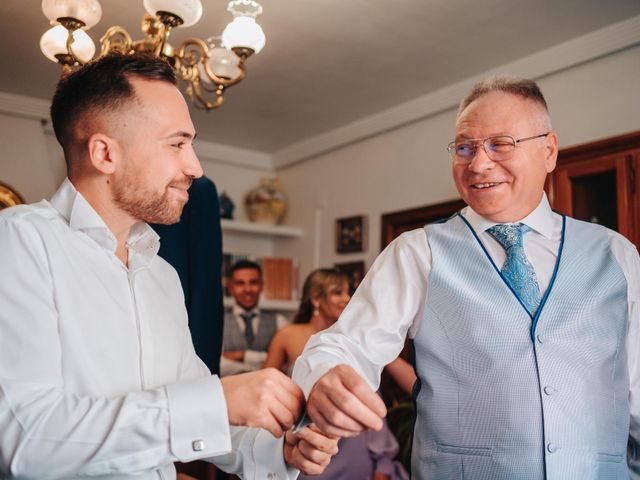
<point>268,455</point>
<point>306,375</point>
<point>198,420</point>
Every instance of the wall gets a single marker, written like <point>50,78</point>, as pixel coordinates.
<point>409,167</point>
<point>25,164</point>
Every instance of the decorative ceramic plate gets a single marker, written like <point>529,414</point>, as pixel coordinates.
<point>9,197</point>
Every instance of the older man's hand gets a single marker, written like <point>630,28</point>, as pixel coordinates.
<point>308,450</point>
<point>341,404</point>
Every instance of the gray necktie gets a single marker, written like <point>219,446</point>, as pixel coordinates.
<point>248,327</point>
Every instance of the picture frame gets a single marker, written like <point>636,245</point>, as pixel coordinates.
<point>351,234</point>
<point>355,271</point>
<point>9,197</point>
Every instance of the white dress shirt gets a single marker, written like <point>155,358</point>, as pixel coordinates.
<point>98,375</point>
<point>389,302</point>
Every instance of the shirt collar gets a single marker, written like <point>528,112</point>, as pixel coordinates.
<point>80,215</point>
<point>238,310</point>
<point>540,219</point>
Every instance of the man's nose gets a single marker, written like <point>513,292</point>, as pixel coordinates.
<point>192,167</point>
<point>480,161</point>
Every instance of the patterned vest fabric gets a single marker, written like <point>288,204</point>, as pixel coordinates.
<point>234,338</point>
<point>504,396</point>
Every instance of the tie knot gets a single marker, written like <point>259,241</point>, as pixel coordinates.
<point>509,235</point>
<point>248,316</point>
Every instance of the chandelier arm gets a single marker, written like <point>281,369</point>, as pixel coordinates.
<point>195,93</point>
<point>116,38</point>
<point>227,82</point>
<point>72,60</point>
<point>194,51</point>
<point>161,39</point>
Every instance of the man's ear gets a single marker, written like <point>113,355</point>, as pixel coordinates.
<point>551,151</point>
<point>103,152</point>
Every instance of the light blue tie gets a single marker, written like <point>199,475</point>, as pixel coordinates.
<point>516,269</point>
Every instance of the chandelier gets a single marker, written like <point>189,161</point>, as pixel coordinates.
<point>208,67</point>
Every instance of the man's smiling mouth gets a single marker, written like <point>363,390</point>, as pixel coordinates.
<point>481,186</point>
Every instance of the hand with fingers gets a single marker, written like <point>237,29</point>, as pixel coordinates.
<point>341,404</point>
<point>266,398</point>
<point>309,450</point>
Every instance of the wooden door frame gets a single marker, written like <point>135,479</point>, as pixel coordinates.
<point>400,221</point>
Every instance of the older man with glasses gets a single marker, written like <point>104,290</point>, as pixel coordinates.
<point>524,321</point>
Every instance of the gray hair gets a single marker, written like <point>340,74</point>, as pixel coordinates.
<point>520,87</point>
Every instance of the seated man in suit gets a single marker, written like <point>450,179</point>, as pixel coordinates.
<point>247,329</point>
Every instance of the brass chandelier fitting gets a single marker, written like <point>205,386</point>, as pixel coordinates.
<point>208,68</point>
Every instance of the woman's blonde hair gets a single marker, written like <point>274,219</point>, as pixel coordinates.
<point>318,284</point>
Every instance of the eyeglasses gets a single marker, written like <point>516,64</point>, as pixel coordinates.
<point>498,148</point>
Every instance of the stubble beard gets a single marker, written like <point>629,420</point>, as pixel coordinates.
<point>147,205</point>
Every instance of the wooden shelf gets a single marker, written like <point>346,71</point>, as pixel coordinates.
<point>239,226</point>
<point>279,305</point>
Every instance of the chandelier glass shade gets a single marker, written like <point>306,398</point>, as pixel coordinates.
<point>208,68</point>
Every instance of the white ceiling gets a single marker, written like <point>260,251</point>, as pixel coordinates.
<point>328,63</point>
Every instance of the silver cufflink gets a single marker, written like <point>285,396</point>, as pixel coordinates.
<point>197,445</point>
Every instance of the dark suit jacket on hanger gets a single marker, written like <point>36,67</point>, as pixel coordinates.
<point>194,248</point>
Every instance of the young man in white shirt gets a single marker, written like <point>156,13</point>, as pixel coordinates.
<point>98,376</point>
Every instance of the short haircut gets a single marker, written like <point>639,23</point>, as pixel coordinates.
<point>244,265</point>
<point>101,85</point>
<point>520,87</point>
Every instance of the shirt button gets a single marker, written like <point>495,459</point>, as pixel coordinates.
<point>272,476</point>
<point>552,447</point>
<point>197,445</point>
<point>549,390</point>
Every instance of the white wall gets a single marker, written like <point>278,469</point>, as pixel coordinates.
<point>409,167</point>
<point>25,163</point>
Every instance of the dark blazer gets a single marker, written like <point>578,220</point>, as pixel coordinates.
<point>194,247</point>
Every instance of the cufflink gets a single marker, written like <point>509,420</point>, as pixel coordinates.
<point>197,445</point>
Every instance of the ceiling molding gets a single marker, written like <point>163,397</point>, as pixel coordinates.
<point>239,157</point>
<point>579,50</point>
<point>23,106</point>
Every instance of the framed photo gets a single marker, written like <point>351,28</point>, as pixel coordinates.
<point>9,197</point>
<point>351,234</point>
<point>353,270</point>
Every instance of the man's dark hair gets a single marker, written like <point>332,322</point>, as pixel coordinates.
<point>244,265</point>
<point>101,85</point>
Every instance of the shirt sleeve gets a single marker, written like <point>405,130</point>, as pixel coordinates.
<point>371,330</point>
<point>256,454</point>
<point>48,431</point>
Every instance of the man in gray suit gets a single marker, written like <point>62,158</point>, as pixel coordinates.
<point>248,330</point>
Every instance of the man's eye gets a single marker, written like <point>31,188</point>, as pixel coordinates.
<point>464,149</point>
<point>501,146</point>
<point>178,145</point>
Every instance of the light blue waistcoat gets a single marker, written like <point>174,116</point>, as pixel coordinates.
<point>504,396</point>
